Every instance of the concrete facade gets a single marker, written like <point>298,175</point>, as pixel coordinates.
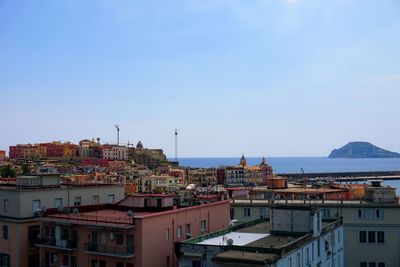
<point>315,245</point>
<point>20,207</point>
<point>358,216</point>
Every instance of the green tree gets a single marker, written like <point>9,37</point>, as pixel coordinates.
<point>26,169</point>
<point>7,172</point>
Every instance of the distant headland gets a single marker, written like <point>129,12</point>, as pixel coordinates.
<point>362,150</point>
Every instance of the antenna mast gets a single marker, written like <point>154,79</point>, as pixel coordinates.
<point>176,145</point>
<point>117,126</point>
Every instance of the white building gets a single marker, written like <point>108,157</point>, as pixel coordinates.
<point>295,236</point>
<point>371,226</point>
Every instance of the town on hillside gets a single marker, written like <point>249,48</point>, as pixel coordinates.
<point>99,205</point>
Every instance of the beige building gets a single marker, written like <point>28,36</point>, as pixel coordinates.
<point>115,152</point>
<point>371,226</point>
<point>157,184</point>
<point>22,203</point>
<point>202,176</point>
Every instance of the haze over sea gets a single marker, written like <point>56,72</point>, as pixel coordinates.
<point>309,165</point>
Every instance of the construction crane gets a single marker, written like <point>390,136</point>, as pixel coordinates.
<point>117,127</point>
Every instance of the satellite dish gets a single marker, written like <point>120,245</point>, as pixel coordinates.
<point>229,242</point>
<point>130,213</point>
<point>75,211</point>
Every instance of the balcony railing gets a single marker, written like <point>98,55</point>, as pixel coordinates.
<point>51,241</point>
<point>114,251</point>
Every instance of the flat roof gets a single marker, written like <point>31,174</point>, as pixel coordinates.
<point>238,238</point>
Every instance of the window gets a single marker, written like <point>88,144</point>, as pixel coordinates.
<point>202,225</point>
<point>370,214</point>
<point>318,248</point>
<point>73,261</point>
<point>167,235</point>
<point>95,199</point>
<point>4,260</point>
<point>167,261</point>
<point>111,198</point>
<point>371,237</point>
<point>196,263</point>
<point>372,264</point>
<point>35,205</point>
<point>179,231</point>
<point>363,264</point>
<point>77,201</point>
<point>102,264</point>
<point>363,236</point>
<point>378,213</point>
<point>188,232</point>
<point>5,205</point>
<point>58,203</point>
<point>119,264</point>
<point>263,212</point>
<point>381,237</point>
<point>298,263</point>
<point>381,264</point>
<point>5,232</point>
<point>120,239</point>
<point>246,212</point>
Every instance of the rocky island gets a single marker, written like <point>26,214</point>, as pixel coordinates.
<point>362,150</point>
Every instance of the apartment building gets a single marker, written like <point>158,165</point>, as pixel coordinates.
<point>139,231</point>
<point>2,155</point>
<point>115,152</point>
<point>22,203</point>
<point>202,176</point>
<point>157,184</point>
<point>54,149</point>
<point>294,236</point>
<point>245,175</point>
<point>371,226</point>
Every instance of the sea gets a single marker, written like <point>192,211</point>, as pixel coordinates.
<point>307,164</point>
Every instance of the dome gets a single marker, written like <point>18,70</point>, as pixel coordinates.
<point>139,145</point>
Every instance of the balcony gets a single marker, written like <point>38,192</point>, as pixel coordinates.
<point>52,242</point>
<point>113,251</point>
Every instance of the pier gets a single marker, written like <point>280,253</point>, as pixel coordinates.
<point>343,176</point>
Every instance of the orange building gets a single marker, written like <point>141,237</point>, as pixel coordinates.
<point>2,155</point>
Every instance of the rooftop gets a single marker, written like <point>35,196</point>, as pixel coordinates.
<point>254,242</point>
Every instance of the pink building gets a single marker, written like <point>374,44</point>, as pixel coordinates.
<point>141,230</point>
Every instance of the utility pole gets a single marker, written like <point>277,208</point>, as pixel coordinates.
<point>176,145</point>
<point>117,126</point>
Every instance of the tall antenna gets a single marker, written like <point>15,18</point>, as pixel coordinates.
<point>117,126</point>
<point>176,145</point>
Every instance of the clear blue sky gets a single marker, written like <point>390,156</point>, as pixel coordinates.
<point>259,77</point>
